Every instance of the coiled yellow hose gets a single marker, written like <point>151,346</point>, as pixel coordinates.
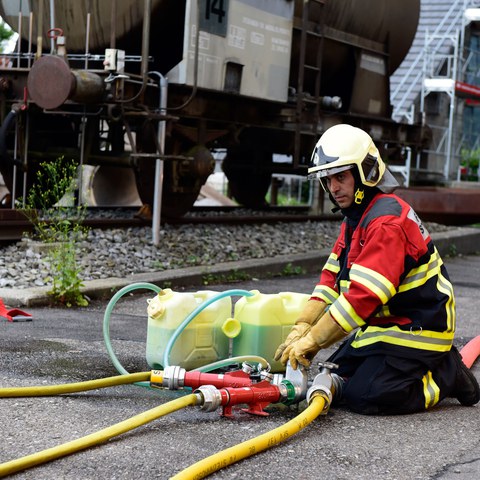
<point>46,390</point>
<point>96,438</point>
<point>250,447</point>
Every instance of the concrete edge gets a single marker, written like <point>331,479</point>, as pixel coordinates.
<point>459,241</point>
<point>464,240</point>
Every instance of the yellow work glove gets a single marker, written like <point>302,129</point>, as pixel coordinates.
<point>312,311</point>
<point>323,334</point>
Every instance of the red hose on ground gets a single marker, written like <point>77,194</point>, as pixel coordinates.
<point>471,351</point>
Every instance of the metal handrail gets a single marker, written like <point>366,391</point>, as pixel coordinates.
<point>415,80</point>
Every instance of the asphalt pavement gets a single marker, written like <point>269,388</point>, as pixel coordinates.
<point>67,345</point>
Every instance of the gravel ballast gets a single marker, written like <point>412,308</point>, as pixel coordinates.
<point>124,252</point>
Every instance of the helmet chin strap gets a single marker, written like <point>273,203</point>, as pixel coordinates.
<point>359,196</point>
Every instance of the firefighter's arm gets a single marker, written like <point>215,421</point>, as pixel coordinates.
<point>324,333</point>
<point>310,314</point>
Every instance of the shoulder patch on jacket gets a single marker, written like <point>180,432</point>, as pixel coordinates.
<point>414,217</point>
<point>382,207</point>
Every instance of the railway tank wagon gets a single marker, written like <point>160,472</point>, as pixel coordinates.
<point>253,78</point>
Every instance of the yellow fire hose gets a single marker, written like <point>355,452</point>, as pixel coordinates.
<point>250,447</point>
<point>200,469</point>
<point>43,391</point>
<point>96,438</point>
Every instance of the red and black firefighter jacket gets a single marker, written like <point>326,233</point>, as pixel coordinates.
<point>387,278</point>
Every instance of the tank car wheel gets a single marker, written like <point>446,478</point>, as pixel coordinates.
<point>174,204</point>
<point>248,175</point>
<point>182,179</point>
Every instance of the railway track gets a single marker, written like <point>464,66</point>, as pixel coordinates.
<point>14,224</point>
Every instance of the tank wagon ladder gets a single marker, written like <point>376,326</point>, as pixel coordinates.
<point>306,100</point>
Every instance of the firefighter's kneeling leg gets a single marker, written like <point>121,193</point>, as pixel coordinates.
<point>384,385</point>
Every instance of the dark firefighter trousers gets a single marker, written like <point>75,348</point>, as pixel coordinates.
<point>383,384</point>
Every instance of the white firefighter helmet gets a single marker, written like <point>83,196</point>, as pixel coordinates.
<point>343,147</point>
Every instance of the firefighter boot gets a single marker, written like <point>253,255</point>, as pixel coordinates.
<point>466,391</point>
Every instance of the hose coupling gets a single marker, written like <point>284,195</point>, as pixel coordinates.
<point>255,371</point>
<point>338,383</point>
<point>248,368</point>
<point>273,378</point>
<point>212,398</point>
<point>173,377</point>
<point>324,385</point>
<point>294,386</point>
<point>287,392</point>
<point>299,379</point>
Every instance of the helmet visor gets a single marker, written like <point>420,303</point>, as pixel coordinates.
<point>325,172</point>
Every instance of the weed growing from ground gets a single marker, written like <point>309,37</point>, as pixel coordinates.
<point>57,222</point>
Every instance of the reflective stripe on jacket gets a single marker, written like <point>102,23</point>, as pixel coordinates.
<point>389,280</point>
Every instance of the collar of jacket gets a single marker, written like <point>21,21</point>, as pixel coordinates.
<point>354,213</point>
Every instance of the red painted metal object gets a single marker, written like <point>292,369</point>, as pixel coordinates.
<point>445,205</point>
<point>195,379</point>
<point>257,397</point>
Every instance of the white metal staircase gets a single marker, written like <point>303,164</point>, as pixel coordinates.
<point>435,63</point>
<point>439,20</point>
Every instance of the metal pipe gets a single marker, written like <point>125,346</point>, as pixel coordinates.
<point>83,125</point>
<point>159,163</point>
<point>146,38</point>
<point>25,153</point>
<point>113,25</point>
<point>87,40</point>
<point>145,51</point>
<point>39,30</point>
<point>52,24</point>
<point>30,37</point>
<point>15,169</point>
<point>19,42</point>
<point>51,83</point>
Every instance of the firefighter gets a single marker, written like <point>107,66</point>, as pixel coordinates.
<point>384,289</point>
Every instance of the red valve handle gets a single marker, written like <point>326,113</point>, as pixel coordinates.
<point>55,32</point>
